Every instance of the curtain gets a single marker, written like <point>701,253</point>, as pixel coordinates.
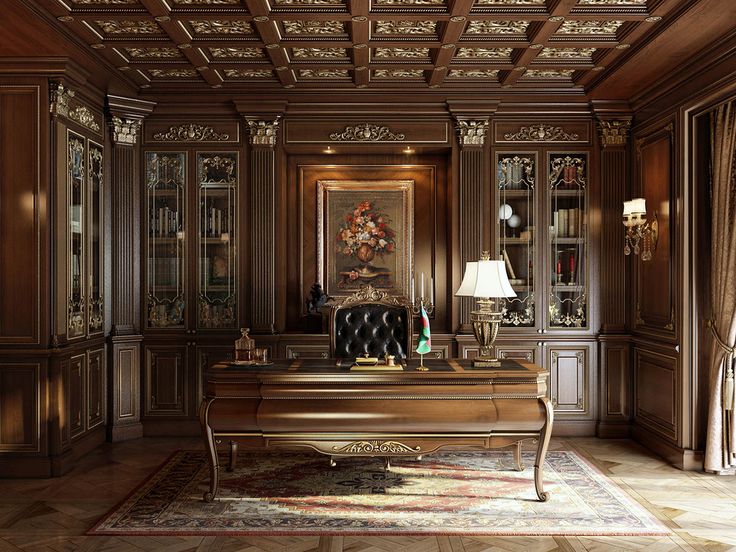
<point>720,451</point>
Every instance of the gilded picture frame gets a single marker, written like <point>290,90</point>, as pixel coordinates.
<point>365,235</point>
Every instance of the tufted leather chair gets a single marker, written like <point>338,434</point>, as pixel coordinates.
<point>370,322</point>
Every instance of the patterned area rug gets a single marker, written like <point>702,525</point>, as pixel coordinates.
<point>464,493</point>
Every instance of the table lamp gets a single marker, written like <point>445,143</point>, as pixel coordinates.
<point>486,280</point>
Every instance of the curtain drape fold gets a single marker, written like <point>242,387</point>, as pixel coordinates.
<point>720,452</point>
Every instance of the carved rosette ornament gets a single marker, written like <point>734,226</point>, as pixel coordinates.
<point>124,131</point>
<point>614,133</point>
<point>367,133</point>
<point>191,133</point>
<point>376,447</point>
<point>472,133</point>
<point>541,133</point>
<point>263,133</point>
<point>60,96</point>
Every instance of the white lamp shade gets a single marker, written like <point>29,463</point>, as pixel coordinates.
<point>628,205</point>
<point>639,206</point>
<point>485,279</point>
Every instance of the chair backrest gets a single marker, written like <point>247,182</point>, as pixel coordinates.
<point>371,322</point>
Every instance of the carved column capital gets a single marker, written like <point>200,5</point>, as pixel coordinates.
<point>262,133</point>
<point>124,131</point>
<point>59,99</point>
<point>613,132</point>
<point>471,132</point>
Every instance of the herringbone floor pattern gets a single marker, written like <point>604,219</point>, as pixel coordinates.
<point>53,514</point>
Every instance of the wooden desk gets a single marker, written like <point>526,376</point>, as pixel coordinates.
<point>317,405</point>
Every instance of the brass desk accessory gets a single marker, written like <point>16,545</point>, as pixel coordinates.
<point>369,364</point>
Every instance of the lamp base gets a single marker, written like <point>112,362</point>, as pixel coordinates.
<point>482,362</point>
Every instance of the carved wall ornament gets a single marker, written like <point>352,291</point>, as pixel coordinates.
<point>614,133</point>
<point>238,53</point>
<point>592,27</point>
<point>366,132</point>
<point>376,447</point>
<point>404,53</point>
<point>191,133</point>
<point>398,73</point>
<point>84,117</point>
<point>124,131</point>
<point>174,73</point>
<point>405,27</point>
<point>207,2</point>
<point>472,74</point>
<point>548,73</point>
<point>319,53</point>
<point>566,53</point>
<point>409,2</point>
<point>541,133</point>
<point>307,27</point>
<point>369,294</point>
<point>103,2</point>
<point>129,26</point>
<point>154,53</point>
<point>472,133</point>
<point>612,2</point>
<point>324,74</point>
<point>221,26</point>
<point>248,73</point>
<point>484,53</point>
<point>60,96</point>
<point>485,27</point>
<point>263,133</point>
<point>510,2</point>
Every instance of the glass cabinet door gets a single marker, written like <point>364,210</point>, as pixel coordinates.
<point>515,179</point>
<point>568,240</point>
<point>166,208</point>
<point>217,174</point>
<point>76,166</point>
<point>95,308</point>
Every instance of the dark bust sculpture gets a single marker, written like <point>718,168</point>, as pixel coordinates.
<point>317,299</point>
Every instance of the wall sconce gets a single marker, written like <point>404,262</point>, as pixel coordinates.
<point>639,229</point>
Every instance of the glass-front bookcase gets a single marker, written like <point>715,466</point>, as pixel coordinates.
<point>95,307</point>
<point>217,175</point>
<point>516,175</point>
<point>76,192</point>
<point>166,239</point>
<point>568,240</point>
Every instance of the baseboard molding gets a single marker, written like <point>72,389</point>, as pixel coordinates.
<point>613,430</point>
<point>171,428</point>
<point>118,433</point>
<point>684,459</point>
<point>573,428</point>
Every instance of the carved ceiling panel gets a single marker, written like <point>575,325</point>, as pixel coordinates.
<point>479,45</point>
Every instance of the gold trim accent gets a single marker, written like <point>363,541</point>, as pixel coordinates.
<point>614,133</point>
<point>541,133</point>
<point>124,131</point>
<point>60,96</point>
<point>367,132</point>
<point>263,133</point>
<point>191,133</point>
<point>472,132</point>
<point>376,447</point>
<point>84,117</point>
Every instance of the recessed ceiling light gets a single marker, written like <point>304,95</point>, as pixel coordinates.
<point>520,68</point>
<point>447,46</point>
<point>202,68</point>
<point>288,86</point>
<point>260,18</point>
<point>457,18</point>
<point>408,150</point>
<point>599,68</point>
<point>216,86</point>
<point>362,86</point>
<point>653,19</point>
<point>328,149</point>
<point>272,46</point>
<point>441,67</point>
<point>623,46</point>
<point>98,46</point>
<point>360,46</point>
<point>282,68</point>
<point>556,18</point>
<point>124,68</point>
<point>361,68</point>
<point>145,86</point>
<point>536,46</point>
<point>434,85</point>
<point>65,18</point>
<point>506,86</point>
<point>184,46</point>
<point>162,18</point>
<point>359,18</point>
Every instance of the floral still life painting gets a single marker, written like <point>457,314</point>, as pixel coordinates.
<point>366,235</point>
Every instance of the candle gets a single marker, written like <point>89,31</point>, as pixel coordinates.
<point>421,289</point>
<point>412,290</point>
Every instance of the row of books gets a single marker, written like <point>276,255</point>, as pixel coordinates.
<point>566,223</point>
<point>164,222</point>
<point>215,222</point>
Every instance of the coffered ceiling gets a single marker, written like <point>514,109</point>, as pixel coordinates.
<point>412,44</point>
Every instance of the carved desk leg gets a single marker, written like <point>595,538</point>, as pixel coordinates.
<point>233,456</point>
<point>517,457</point>
<point>209,440</point>
<point>544,435</point>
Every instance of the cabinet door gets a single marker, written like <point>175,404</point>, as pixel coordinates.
<point>165,239</point>
<point>166,381</point>
<point>76,395</point>
<point>95,257</point>
<point>569,378</point>
<point>76,261</point>
<point>95,388</point>
<point>206,357</point>
<point>526,352</point>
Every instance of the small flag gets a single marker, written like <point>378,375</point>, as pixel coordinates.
<point>425,339</point>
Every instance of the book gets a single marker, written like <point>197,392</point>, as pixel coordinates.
<point>562,229</point>
<point>509,267</point>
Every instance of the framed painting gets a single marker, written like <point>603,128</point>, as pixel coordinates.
<point>365,235</point>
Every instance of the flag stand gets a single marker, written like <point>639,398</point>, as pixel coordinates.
<point>421,367</point>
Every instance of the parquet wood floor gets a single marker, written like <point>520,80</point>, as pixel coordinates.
<point>52,515</point>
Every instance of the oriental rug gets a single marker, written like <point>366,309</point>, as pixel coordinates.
<point>460,493</point>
